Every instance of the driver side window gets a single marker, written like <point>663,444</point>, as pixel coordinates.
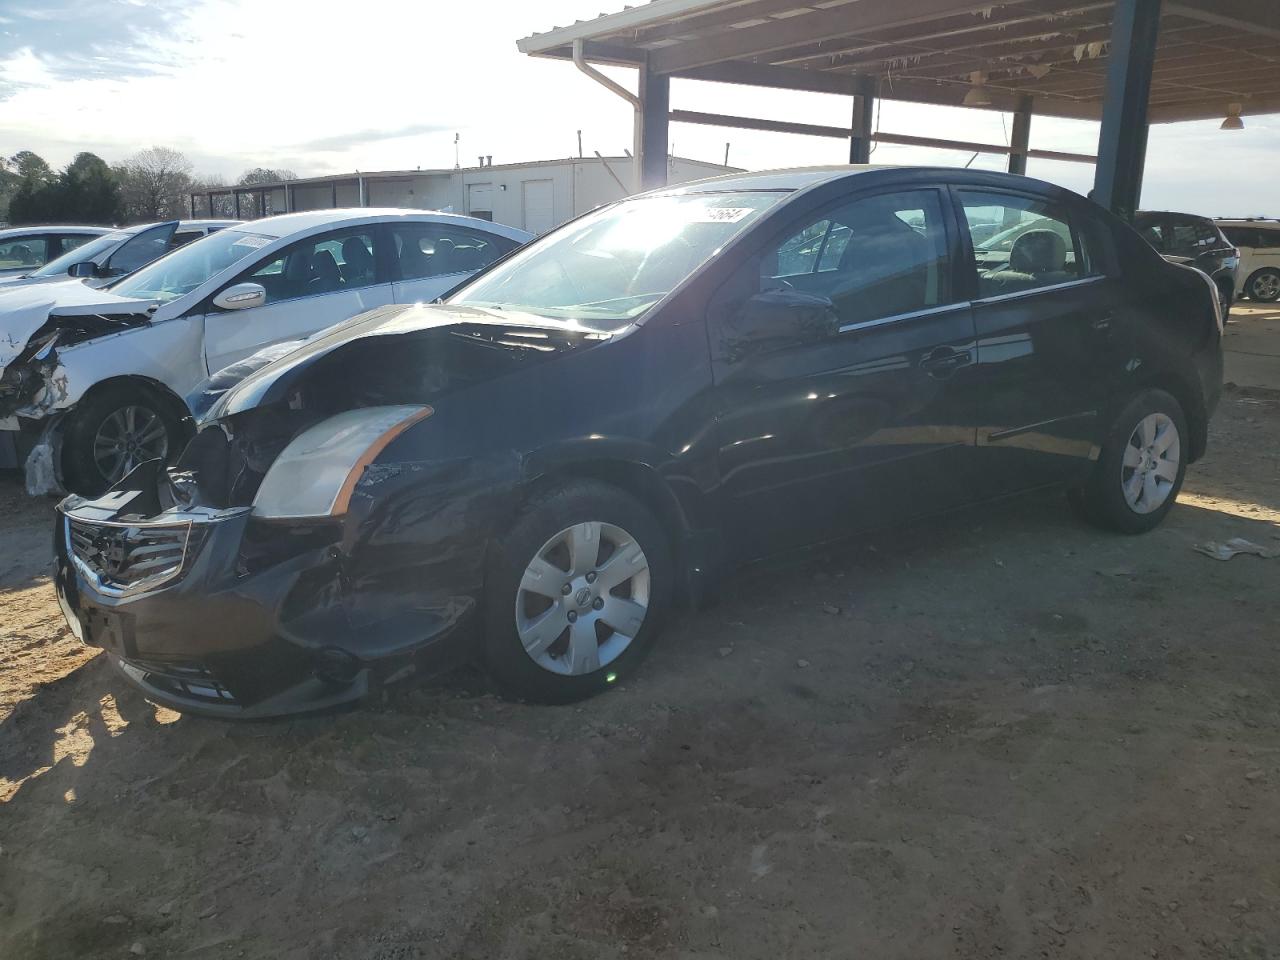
<point>874,257</point>
<point>329,263</point>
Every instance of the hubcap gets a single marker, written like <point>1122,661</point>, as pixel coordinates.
<point>127,437</point>
<point>583,598</point>
<point>1150,466</point>
<point>1267,286</point>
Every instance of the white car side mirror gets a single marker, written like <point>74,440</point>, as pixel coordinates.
<point>241,296</point>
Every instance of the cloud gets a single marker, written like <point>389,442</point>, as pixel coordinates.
<point>341,141</point>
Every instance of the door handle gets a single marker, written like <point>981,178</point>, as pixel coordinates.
<point>1101,324</point>
<point>944,361</point>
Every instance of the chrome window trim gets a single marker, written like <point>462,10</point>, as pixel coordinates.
<point>911,315</point>
<point>1018,294</point>
<point>958,304</point>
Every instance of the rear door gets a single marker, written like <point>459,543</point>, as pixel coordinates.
<point>310,285</point>
<point>429,259</point>
<point>864,421</point>
<point>1050,322</point>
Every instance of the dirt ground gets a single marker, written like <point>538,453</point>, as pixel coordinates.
<point>996,734</point>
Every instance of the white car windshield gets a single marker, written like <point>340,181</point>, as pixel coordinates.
<point>59,266</point>
<point>613,265</point>
<point>180,272</point>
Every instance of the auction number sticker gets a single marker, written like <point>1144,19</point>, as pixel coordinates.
<point>724,214</point>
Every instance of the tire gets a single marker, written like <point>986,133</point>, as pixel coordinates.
<point>110,412</point>
<point>1107,500</point>
<point>1264,285</point>
<point>1225,300</point>
<point>536,583</point>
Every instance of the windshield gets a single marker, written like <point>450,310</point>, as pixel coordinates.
<point>614,264</point>
<point>86,251</point>
<point>180,272</point>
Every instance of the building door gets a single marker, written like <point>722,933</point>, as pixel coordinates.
<point>480,200</point>
<point>539,211</point>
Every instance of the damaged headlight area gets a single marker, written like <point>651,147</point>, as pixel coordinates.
<point>316,473</point>
<point>26,381</point>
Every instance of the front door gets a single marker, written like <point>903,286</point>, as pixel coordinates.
<point>864,422</point>
<point>310,285</point>
<point>1050,323</point>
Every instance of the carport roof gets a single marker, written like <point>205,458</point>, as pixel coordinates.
<point>1211,53</point>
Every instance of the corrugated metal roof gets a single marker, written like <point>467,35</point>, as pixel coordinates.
<point>1211,52</point>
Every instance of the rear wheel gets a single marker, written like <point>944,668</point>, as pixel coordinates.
<point>576,594</point>
<point>111,433</point>
<point>1141,468</point>
<point>1264,286</point>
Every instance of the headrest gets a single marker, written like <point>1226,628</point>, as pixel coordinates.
<point>1038,251</point>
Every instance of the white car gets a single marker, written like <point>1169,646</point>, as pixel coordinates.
<point>115,253</point>
<point>23,249</point>
<point>1258,240</point>
<point>94,380</point>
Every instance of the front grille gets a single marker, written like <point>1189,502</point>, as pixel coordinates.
<point>125,559</point>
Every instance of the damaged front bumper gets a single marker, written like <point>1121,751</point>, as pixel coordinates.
<point>214,612</point>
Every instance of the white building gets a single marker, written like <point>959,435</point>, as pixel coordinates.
<point>532,196</point>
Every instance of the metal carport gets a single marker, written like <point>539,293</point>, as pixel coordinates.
<point>1126,63</point>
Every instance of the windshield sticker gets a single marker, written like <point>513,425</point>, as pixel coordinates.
<point>722,214</point>
<point>252,242</point>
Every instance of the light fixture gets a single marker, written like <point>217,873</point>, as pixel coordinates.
<point>977,95</point>
<point>1233,121</point>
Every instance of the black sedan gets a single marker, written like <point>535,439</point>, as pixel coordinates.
<point>541,467</point>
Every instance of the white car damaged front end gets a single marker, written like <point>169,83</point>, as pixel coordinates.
<point>58,342</point>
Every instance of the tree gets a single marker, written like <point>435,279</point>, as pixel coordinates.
<point>155,184</point>
<point>31,166</point>
<point>85,192</point>
<point>89,191</point>
<point>25,175</point>
<point>265,175</point>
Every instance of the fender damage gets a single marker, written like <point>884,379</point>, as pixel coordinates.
<point>270,616</point>
<point>35,387</point>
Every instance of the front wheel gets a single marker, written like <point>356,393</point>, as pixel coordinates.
<point>1140,471</point>
<point>576,593</point>
<point>110,433</point>
<point>1264,286</point>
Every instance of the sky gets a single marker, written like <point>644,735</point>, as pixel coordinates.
<point>386,84</point>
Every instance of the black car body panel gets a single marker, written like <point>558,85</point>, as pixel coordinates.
<point>1194,241</point>
<point>748,421</point>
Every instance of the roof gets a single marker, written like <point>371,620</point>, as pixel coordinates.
<point>789,178</point>
<point>1211,52</point>
<point>52,227</point>
<point>287,224</point>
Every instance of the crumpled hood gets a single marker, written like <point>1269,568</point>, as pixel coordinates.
<point>270,382</point>
<point>25,309</point>
<point>15,281</point>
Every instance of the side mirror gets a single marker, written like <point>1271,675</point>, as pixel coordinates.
<point>775,319</point>
<point>83,270</point>
<point>241,296</point>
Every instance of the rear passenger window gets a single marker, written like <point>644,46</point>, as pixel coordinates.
<point>1021,243</point>
<point>875,257</point>
<point>436,250</point>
